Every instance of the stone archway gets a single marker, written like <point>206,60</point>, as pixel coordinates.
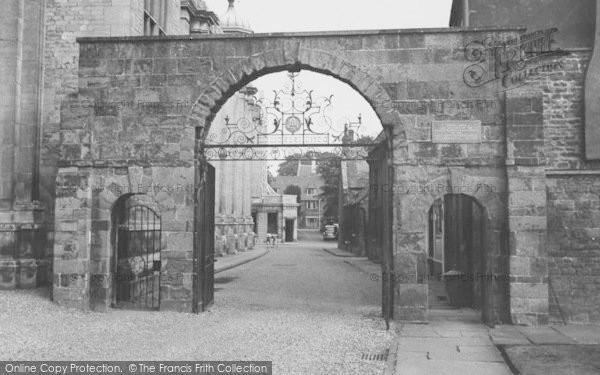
<point>415,199</point>
<point>232,79</point>
<point>210,100</point>
<point>411,78</point>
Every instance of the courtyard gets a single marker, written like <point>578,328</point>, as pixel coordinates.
<point>302,308</point>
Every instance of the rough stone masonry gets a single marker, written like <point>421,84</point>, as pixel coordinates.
<point>542,203</point>
<point>391,69</point>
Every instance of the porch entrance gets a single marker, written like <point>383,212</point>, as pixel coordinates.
<point>289,230</point>
<point>458,264</point>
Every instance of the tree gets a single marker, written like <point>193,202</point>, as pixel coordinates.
<point>290,166</point>
<point>329,167</point>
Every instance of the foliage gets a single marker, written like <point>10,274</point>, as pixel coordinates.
<point>329,167</point>
<point>289,167</point>
<point>294,190</point>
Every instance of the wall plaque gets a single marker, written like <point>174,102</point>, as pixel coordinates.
<point>456,131</point>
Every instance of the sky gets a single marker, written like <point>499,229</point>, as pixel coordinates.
<point>267,16</point>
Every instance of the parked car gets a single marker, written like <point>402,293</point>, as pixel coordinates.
<point>330,232</point>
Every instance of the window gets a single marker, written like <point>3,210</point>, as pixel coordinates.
<point>311,191</point>
<point>155,17</point>
<point>311,205</point>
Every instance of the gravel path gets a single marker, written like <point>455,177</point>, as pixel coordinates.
<point>298,306</point>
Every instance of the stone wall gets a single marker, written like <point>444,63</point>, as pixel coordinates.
<point>553,111</point>
<point>410,78</point>
<point>572,187</point>
<point>63,22</point>
<point>83,255</point>
<point>576,29</point>
<point>573,238</point>
<point>527,208</point>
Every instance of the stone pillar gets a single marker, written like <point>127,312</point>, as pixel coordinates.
<point>528,264</point>
<point>410,249</point>
<point>11,24</point>
<point>280,224</point>
<point>262,218</point>
<point>228,187</point>
<point>235,188</point>
<point>592,98</point>
<point>23,262</point>
<point>296,229</point>
<point>72,233</point>
<point>20,70</point>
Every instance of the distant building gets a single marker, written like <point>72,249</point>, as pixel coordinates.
<point>310,182</point>
<point>275,214</point>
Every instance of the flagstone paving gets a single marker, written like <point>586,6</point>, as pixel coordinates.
<point>453,343</point>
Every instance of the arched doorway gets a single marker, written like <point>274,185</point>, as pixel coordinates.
<point>288,122</point>
<point>458,263</point>
<point>136,237</point>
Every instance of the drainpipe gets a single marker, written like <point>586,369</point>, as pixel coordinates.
<point>466,13</point>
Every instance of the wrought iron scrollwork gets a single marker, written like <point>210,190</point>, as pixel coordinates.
<point>292,122</point>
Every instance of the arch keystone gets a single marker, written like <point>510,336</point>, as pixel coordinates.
<point>258,62</point>
<point>274,58</point>
<point>291,51</point>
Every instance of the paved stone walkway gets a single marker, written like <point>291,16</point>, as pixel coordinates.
<point>547,335</point>
<point>551,350</point>
<point>231,261</point>
<point>453,343</point>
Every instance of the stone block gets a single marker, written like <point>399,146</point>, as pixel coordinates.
<point>27,277</point>
<point>411,295</point>
<point>519,105</point>
<point>71,298</point>
<point>411,41</point>
<point>527,243</point>
<point>194,65</point>
<point>534,132</point>
<point>528,290</point>
<point>176,306</point>
<point>70,266</point>
<point>529,319</point>
<point>527,198</point>
<point>527,223</point>
<point>520,266</point>
<point>8,243</point>
<point>526,119</point>
<point>8,274</point>
<point>410,314</point>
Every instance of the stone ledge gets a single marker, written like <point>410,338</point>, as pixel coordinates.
<point>452,30</point>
